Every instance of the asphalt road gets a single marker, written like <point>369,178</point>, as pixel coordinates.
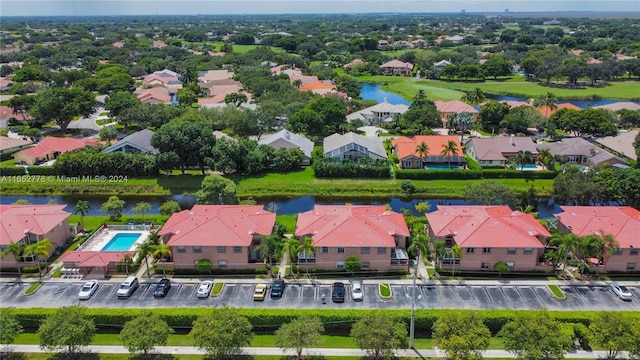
<point>308,295</point>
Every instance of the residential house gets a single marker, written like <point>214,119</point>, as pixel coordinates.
<point>383,44</point>
<point>580,152</point>
<point>379,113</point>
<point>628,105</point>
<point>320,87</point>
<point>456,39</point>
<point>547,111</point>
<point>219,89</point>
<point>376,236</point>
<point>406,149</point>
<point>230,236</point>
<point>6,114</point>
<point>288,140</point>
<point>9,145</point>
<point>441,64</point>
<point>621,144</point>
<point>396,67</point>
<point>454,107</point>
<point>28,224</point>
<point>498,150</point>
<point>621,222</point>
<point>138,142</point>
<point>50,148</point>
<point>5,83</point>
<point>95,263</point>
<point>488,235</point>
<point>214,75</point>
<point>156,95</point>
<point>353,63</point>
<point>353,146</point>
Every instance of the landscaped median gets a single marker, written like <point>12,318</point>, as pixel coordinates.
<point>556,291</point>
<point>385,290</point>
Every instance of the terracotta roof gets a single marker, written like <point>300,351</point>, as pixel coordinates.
<point>93,258</point>
<point>407,147</point>
<point>623,222</point>
<point>317,85</point>
<point>351,226</point>
<point>547,111</point>
<point>160,94</point>
<point>515,103</point>
<point>487,226</point>
<point>50,145</point>
<point>454,106</point>
<point>495,148</point>
<point>7,113</point>
<point>218,225</point>
<point>397,64</point>
<point>16,220</point>
<point>7,143</point>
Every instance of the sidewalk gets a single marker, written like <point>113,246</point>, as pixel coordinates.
<point>274,351</point>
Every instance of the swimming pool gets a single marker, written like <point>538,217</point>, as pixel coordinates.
<point>440,167</point>
<point>121,242</point>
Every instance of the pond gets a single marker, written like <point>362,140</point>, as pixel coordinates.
<point>583,104</point>
<point>372,91</point>
<point>282,206</point>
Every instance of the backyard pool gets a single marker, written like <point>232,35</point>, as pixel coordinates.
<point>441,167</point>
<point>121,242</point>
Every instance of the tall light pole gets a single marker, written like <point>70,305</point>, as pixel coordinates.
<point>412,327</point>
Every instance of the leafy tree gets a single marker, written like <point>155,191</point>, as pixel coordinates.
<point>306,121</point>
<point>113,207</point>
<point>21,105</point>
<point>82,207</point>
<point>301,333</point>
<point>462,335</point>
<point>497,66</point>
<point>422,114</point>
<point>169,207</point>
<point>10,328</point>
<point>62,105</point>
<point>520,118</point>
<point>379,334</point>
<point>535,335</point>
<point>216,189</point>
<point>142,208</point>
<point>145,332</point>
<point>349,85</point>
<point>204,266</point>
<point>67,329</point>
<point>235,99</point>
<point>222,333</point>
<point>613,331</point>
<point>501,267</point>
<point>118,102</point>
<point>492,113</point>
<point>474,97</point>
<point>489,193</point>
<point>408,187</point>
<point>352,264</point>
<point>332,111</point>
<point>460,122</point>
<point>190,137</point>
<point>187,97</point>
<point>576,187</point>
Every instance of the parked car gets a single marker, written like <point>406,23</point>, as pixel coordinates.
<point>128,287</point>
<point>277,289</point>
<point>356,290</point>
<point>260,292</point>
<point>162,288</point>
<point>337,292</point>
<point>88,289</point>
<point>621,291</point>
<point>204,290</point>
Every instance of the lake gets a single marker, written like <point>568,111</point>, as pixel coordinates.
<point>283,206</point>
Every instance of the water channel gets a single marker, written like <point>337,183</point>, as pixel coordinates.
<point>282,206</point>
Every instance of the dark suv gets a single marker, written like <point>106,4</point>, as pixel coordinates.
<point>337,292</point>
<point>277,288</point>
<point>162,288</point>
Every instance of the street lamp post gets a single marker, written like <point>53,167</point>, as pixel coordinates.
<point>412,327</point>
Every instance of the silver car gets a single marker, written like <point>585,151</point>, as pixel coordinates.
<point>205,289</point>
<point>621,291</point>
<point>356,290</point>
<point>88,289</point>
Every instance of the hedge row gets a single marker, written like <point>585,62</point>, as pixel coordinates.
<point>473,174</point>
<point>335,321</point>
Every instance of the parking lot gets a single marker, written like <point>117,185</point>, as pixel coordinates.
<point>308,295</point>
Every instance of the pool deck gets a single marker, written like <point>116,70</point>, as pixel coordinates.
<point>100,240</point>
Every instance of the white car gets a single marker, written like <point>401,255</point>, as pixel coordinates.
<point>205,289</point>
<point>356,290</point>
<point>88,289</point>
<point>621,291</point>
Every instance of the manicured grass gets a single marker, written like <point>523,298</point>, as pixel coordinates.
<point>289,221</point>
<point>385,290</point>
<point>556,291</point>
<point>92,222</point>
<point>407,87</point>
<point>217,289</point>
<point>10,162</point>
<point>32,288</point>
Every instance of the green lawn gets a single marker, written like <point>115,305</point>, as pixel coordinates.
<point>289,221</point>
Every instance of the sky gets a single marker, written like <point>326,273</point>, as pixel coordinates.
<point>243,7</point>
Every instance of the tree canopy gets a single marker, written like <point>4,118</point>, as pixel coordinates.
<point>145,332</point>
<point>221,333</point>
<point>67,329</point>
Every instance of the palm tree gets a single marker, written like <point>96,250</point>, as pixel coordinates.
<point>82,207</point>
<point>451,149</point>
<point>591,247</point>
<point>608,245</point>
<point>126,259</point>
<point>474,97</point>
<point>161,251</point>
<point>546,158</point>
<point>548,100</point>
<point>41,250</point>
<point>523,158</point>
<point>308,248</point>
<point>290,247</point>
<point>456,252</point>
<point>144,250</point>
<point>422,150</point>
<point>16,249</point>
<point>419,245</point>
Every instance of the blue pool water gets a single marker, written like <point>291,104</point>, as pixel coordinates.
<point>122,242</point>
<point>445,167</point>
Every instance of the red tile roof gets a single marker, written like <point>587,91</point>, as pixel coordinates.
<point>351,226</point>
<point>547,111</point>
<point>16,220</point>
<point>7,113</point>
<point>218,225</point>
<point>317,85</point>
<point>50,145</point>
<point>407,147</point>
<point>623,222</point>
<point>93,258</point>
<point>454,106</point>
<point>487,226</point>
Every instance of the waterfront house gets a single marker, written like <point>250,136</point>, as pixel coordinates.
<point>288,140</point>
<point>138,142</point>
<point>396,67</point>
<point>409,158</point>
<point>496,151</point>
<point>580,152</point>
<point>379,113</point>
<point>50,148</point>
<point>353,146</point>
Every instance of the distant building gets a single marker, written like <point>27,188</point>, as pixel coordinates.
<point>496,151</point>
<point>50,148</point>
<point>396,67</point>
<point>138,142</point>
<point>409,158</point>
<point>354,147</point>
<point>288,140</point>
<point>580,152</point>
<point>379,113</point>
